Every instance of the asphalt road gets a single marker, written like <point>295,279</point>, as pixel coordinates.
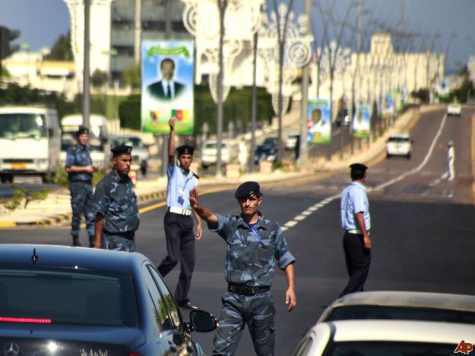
<point>423,239</point>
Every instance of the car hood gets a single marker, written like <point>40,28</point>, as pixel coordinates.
<point>71,340</point>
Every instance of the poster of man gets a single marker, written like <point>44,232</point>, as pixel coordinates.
<point>362,121</point>
<point>167,86</point>
<point>319,122</point>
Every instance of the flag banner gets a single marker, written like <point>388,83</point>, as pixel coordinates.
<point>362,121</point>
<point>319,122</point>
<point>167,86</point>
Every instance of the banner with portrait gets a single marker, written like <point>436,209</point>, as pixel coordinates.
<point>167,86</point>
<point>362,121</point>
<point>319,122</point>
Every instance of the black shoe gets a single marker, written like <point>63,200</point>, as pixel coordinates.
<point>76,242</point>
<point>186,304</point>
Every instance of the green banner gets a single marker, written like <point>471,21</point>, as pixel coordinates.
<point>161,51</point>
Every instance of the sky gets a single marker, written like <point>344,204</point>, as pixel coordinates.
<point>42,21</point>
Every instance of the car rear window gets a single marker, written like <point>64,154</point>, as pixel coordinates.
<point>399,139</point>
<point>68,297</point>
<point>389,349</point>
<point>360,312</point>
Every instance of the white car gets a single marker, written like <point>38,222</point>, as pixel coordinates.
<point>405,305</point>
<point>454,109</point>
<point>399,145</point>
<point>209,153</point>
<point>385,337</point>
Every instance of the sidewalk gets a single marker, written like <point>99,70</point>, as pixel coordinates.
<point>56,209</point>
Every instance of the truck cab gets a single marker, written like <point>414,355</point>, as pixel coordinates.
<point>29,142</point>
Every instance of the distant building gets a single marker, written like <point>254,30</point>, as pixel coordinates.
<point>116,34</point>
<point>30,68</point>
<point>471,68</point>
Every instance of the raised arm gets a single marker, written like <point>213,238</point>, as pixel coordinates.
<point>171,141</point>
<point>203,212</point>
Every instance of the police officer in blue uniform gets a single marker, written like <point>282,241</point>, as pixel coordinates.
<point>180,229</point>
<point>80,170</point>
<point>356,223</point>
<point>117,215</point>
<point>255,246</point>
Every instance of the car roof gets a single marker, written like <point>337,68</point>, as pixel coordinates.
<point>55,256</point>
<point>461,302</point>
<point>396,331</point>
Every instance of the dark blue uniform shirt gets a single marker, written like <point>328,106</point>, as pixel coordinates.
<point>78,155</point>
<point>116,201</point>
<point>252,252</point>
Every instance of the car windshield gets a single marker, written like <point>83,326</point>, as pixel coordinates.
<point>401,313</point>
<point>270,141</point>
<point>135,142</point>
<point>368,348</point>
<point>399,139</point>
<point>14,126</point>
<point>68,297</point>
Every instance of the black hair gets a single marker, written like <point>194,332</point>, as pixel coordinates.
<point>167,60</point>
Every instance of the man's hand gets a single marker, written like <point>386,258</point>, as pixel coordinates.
<point>172,123</point>
<point>198,231</point>
<point>90,169</point>
<point>290,299</point>
<point>367,242</point>
<point>194,202</point>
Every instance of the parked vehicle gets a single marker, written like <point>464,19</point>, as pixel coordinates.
<point>209,153</point>
<point>405,305</point>
<point>140,154</point>
<point>58,300</point>
<point>399,145</point>
<point>98,137</point>
<point>291,142</point>
<point>267,150</point>
<point>29,142</point>
<point>454,109</point>
<point>383,337</point>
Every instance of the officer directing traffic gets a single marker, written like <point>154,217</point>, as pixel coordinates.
<point>356,223</point>
<point>117,216</point>
<point>254,247</point>
<point>180,230</point>
<point>80,169</point>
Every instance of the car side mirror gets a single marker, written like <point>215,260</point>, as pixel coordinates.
<point>202,321</point>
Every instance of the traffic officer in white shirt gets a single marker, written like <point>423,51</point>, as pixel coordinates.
<point>451,160</point>
<point>180,229</point>
<point>356,223</point>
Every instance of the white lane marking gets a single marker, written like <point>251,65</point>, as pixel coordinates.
<point>328,200</point>
<point>440,179</point>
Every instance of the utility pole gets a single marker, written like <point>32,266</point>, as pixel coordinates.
<point>254,103</point>
<point>86,101</point>
<point>302,141</point>
<point>137,30</point>
<point>222,5</point>
<point>168,33</point>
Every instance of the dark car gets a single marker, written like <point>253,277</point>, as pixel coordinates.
<point>267,150</point>
<point>57,300</point>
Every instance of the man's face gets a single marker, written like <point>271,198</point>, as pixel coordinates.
<point>167,68</point>
<point>185,160</point>
<point>250,205</point>
<point>83,139</point>
<point>122,163</point>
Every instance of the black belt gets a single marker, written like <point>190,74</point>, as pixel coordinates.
<point>247,290</point>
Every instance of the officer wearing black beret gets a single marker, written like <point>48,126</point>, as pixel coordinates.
<point>79,167</point>
<point>182,225</point>
<point>255,246</point>
<point>117,215</point>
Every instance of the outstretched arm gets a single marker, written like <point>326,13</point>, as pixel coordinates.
<point>171,141</point>
<point>203,212</point>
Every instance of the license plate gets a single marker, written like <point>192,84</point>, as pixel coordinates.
<point>18,165</point>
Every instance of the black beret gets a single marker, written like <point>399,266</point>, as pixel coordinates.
<point>358,167</point>
<point>82,130</point>
<point>247,189</point>
<point>185,149</point>
<point>120,150</point>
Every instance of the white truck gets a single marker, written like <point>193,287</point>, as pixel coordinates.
<point>98,137</point>
<point>30,140</point>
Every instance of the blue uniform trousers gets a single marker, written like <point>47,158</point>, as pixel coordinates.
<point>238,310</point>
<point>82,204</point>
<point>119,242</point>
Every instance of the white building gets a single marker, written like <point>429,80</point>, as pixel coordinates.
<point>471,68</point>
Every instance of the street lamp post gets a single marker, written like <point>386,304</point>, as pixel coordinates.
<point>86,100</point>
